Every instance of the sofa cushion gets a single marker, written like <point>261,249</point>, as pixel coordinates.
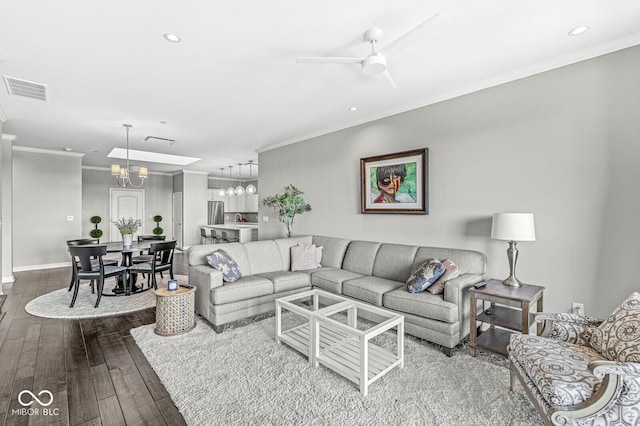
<point>264,256</point>
<point>394,261</point>
<point>618,337</point>
<point>285,280</point>
<point>558,369</point>
<point>331,279</point>
<point>333,250</point>
<point>241,289</point>
<point>469,262</point>
<point>369,289</point>
<point>284,246</point>
<point>360,257</point>
<point>422,304</point>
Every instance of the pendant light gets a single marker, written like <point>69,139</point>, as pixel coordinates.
<point>221,191</point>
<point>239,188</point>
<point>123,174</point>
<point>230,190</point>
<point>251,189</point>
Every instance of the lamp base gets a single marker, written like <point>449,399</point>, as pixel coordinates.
<point>512,281</point>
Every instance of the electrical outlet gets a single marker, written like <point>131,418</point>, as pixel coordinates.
<point>577,308</point>
<point>265,218</point>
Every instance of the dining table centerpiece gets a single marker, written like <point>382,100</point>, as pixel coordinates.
<point>127,227</point>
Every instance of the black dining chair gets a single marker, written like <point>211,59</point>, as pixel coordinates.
<point>162,260</point>
<point>146,257</point>
<point>85,242</point>
<point>83,260</point>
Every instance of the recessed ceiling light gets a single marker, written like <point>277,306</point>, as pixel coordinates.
<point>163,122</point>
<point>172,38</point>
<point>578,30</point>
<point>353,109</point>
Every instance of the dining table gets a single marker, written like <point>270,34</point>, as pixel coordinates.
<point>126,261</point>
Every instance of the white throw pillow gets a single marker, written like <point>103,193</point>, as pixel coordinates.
<point>303,257</point>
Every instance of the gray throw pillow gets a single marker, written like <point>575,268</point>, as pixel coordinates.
<point>221,261</point>
<point>425,275</point>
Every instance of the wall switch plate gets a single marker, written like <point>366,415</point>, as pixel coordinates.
<point>69,218</point>
<point>577,308</point>
<point>265,218</point>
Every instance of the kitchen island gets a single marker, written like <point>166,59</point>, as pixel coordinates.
<point>243,231</point>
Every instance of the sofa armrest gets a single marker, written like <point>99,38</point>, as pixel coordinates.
<point>601,368</point>
<point>570,328</point>
<point>457,291</point>
<point>205,278</point>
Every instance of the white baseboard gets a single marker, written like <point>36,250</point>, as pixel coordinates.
<point>45,266</point>
<point>8,280</point>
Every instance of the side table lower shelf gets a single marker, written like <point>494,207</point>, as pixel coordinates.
<point>495,340</point>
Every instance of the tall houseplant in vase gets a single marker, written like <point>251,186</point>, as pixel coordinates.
<point>288,205</point>
<point>127,227</point>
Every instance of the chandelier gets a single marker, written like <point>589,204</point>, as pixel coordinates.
<point>251,189</point>
<point>239,189</point>
<point>122,174</point>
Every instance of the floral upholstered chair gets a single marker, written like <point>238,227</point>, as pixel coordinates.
<point>580,370</point>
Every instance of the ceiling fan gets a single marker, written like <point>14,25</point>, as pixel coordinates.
<point>376,62</point>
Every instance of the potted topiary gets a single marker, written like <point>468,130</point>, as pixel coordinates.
<point>157,230</point>
<point>288,205</point>
<point>96,233</point>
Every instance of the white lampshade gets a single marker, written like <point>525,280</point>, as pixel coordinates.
<point>115,169</point>
<point>251,189</point>
<point>143,172</point>
<point>513,227</point>
<point>231,191</point>
<point>222,192</point>
<point>239,190</point>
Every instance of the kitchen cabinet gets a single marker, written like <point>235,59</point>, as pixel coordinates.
<point>230,203</point>
<point>241,203</point>
<point>251,204</point>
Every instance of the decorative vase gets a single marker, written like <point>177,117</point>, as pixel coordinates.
<point>127,240</point>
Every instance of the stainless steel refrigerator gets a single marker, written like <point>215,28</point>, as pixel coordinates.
<point>215,214</point>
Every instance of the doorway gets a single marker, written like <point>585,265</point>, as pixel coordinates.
<point>125,203</point>
<point>177,218</point>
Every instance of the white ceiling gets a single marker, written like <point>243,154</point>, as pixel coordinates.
<point>232,86</point>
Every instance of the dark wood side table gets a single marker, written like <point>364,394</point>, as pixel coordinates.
<point>509,312</point>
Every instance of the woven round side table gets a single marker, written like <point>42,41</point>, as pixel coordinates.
<point>175,311</point>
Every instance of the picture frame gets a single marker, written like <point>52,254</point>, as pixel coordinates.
<point>395,183</point>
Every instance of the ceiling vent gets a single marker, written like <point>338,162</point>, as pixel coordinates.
<point>28,89</point>
<point>158,139</point>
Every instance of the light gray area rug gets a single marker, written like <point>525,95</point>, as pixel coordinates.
<point>56,303</point>
<point>244,377</point>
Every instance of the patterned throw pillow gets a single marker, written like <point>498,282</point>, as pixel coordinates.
<point>221,261</point>
<point>618,337</point>
<point>451,271</point>
<point>303,257</point>
<point>425,275</point>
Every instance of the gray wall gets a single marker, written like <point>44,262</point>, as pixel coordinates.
<point>6,261</point>
<point>95,201</point>
<point>47,187</point>
<point>562,144</point>
<point>194,206</point>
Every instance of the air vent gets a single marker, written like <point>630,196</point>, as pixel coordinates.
<point>28,89</point>
<point>158,139</point>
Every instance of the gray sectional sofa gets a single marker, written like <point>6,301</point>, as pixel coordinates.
<point>366,271</point>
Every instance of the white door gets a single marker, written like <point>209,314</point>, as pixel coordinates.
<point>177,218</point>
<point>125,203</point>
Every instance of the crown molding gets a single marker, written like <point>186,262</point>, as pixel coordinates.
<point>108,169</point>
<point>234,180</point>
<point>48,151</point>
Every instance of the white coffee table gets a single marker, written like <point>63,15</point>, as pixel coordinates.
<point>335,340</point>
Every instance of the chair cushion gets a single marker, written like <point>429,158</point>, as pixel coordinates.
<point>285,280</point>
<point>369,289</point>
<point>244,288</point>
<point>331,279</point>
<point>221,261</point>
<point>141,267</point>
<point>142,258</point>
<point>558,369</point>
<point>618,337</point>
<point>422,304</point>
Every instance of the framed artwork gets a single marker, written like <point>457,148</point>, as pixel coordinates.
<point>395,183</point>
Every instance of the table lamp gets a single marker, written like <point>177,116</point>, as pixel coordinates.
<point>513,227</point>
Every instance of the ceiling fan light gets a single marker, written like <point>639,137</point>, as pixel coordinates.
<point>251,189</point>
<point>374,64</point>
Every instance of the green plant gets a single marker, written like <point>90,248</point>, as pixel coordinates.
<point>288,205</point>
<point>157,230</point>
<point>128,225</point>
<point>95,233</point>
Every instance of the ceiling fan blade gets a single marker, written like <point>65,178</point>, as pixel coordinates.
<point>416,33</point>
<point>389,78</point>
<point>328,60</point>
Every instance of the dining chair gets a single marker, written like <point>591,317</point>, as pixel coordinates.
<point>205,236</point>
<point>146,257</point>
<point>162,260</point>
<point>84,242</point>
<point>84,259</point>
<point>227,238</point>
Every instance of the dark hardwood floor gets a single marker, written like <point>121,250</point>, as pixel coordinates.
<point>93,367</point>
